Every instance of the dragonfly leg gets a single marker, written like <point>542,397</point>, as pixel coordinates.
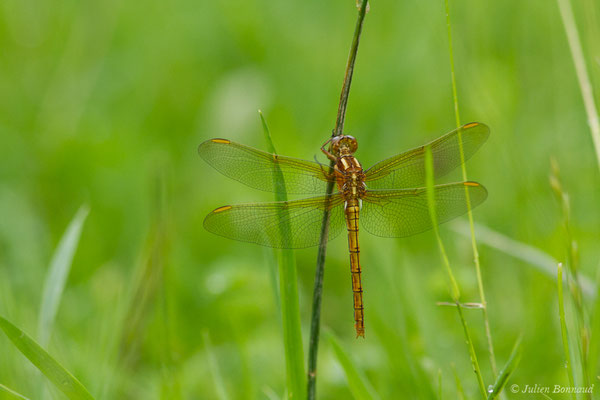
<point>326,173</point>
<point>327,153</point>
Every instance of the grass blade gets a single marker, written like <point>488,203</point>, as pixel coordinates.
<point>440,394</point>
<point>357,381</point>
<point>12,393</point>
<point>505,373</point>
<point>585,85</point>
<point>581,338</point>
<point>531,255</point>
<point>144,286</point>
<point>214,368</point>
<point>454,289</point>
<point>486,320</point>
<point>58,272</point>
<point>288,287</point>
<point>594,348</point>
<point>147,280</point>
<point>563,329</point>
<point>460,392</point>
<point>56,373</point>
<point>402,360</point>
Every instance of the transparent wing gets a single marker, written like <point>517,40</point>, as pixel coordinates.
<point>285,225</point>
<point>408,169</point>
<point>405,212</point>
<point>258,169</point>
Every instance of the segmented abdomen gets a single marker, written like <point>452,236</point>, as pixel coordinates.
<point>352,215</point>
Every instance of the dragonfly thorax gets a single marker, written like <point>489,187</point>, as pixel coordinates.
<point>350,177</point>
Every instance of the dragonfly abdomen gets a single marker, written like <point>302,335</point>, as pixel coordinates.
<point>352,215</point>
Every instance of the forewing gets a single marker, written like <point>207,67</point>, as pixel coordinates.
<point>399,213</point>
<point>407,170</point>
<point>260,170</point>
<point>285,225</point>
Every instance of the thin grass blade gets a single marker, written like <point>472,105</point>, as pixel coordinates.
<point>581,327</point>
<point>486,320</point>
<point>58,273</point>
<point>271,394</point>
<point>288,287</point>
<point>585,84</point>
<point>563,329</point>
<point>460,392</point>
<point>56,373</point>
<point>12,393</point>
<point>531,255</point>
<point>454,289</point>
<point>146,282</point>
<point>440,393</point>
<point>506,372</point>
<point>214,368</point>
<point>359,385</point>
<point>594,349</point>
<point>403,362</point>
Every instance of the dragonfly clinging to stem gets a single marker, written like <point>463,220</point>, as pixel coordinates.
<point>389,199</point>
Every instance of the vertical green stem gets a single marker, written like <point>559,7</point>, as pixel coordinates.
<point>453,285</point>
<point>486,320</point>
<point>339,123</point>
<point>585,85</point>
<point>288,289</point>
<point>563,328</point>
<point>315,323</point>
<point>451,52</point>
<point>587,94</point>
<point>581,341</point>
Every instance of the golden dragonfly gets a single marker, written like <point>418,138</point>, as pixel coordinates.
<point>390,197</point>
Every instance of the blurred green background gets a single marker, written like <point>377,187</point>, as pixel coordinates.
<point>104,103</point>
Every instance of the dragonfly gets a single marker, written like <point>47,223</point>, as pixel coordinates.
<point>389,199</point>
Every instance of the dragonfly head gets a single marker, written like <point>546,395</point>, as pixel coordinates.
<point>343,144</point>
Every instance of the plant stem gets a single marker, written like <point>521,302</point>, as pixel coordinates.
<point>585,85</point>
<point>486,320</point>
<point>320,268</point>
<point>339,123</point>
<point>563,329</point>
<point>453,284</point>
<point>288,291</point>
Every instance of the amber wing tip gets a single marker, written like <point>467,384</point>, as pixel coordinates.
<point>471,125</point>
<point>482,127</point>
<point>471,183</point>
<point>204,144</point>
<point>220,140</point>
<point>221,209</point>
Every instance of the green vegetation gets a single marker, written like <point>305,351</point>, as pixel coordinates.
<point>128,297</point>
<point>288,294</point>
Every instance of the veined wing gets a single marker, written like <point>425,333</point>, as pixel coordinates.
<point>259,169</point>
<point>408,169</point>
<point>405,212</point>
<point>285,225</point>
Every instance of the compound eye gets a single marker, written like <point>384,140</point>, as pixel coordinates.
<point>351,142</point>
<point>335,144</point>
